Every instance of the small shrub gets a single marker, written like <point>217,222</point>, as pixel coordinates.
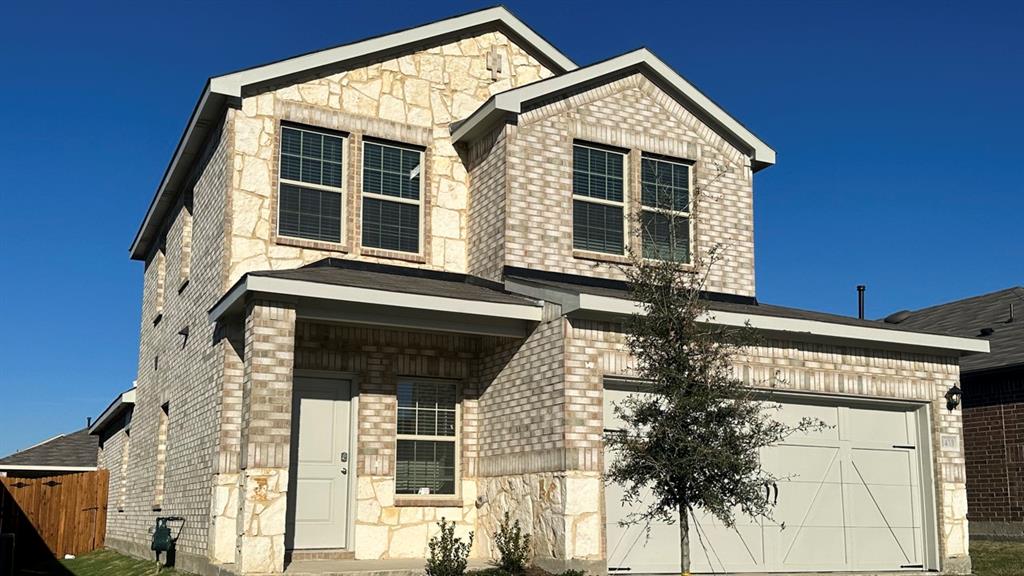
<point>513,545</point>
<point>448,554</point>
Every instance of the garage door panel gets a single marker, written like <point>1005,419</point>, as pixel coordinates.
<point>638,551</point>
<point>892,467</point>
<point>802,463</point>
<point>880,506</point>
<point>792,414</point>
<point>715,547</point>
<point>811,549</point>
<point>869,425</point>
<point>809,505</point>
<point>882,548</point>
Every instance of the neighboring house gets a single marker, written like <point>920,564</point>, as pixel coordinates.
<point>993,404</point>
<point>113,430</point>
<point>383,286</point>
<point>62,454</point>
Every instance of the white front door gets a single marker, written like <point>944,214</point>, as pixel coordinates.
<point>849,498</point>
<point>319,494</point>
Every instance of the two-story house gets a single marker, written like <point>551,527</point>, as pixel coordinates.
<point>383,285</point>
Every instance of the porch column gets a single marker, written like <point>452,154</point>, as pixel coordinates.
<point>266,429</point>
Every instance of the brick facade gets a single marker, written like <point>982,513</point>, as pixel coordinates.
<point>993,414</point>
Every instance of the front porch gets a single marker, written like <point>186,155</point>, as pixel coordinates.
<point>359,414</point>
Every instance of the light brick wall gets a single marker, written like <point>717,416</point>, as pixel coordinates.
<point>630,113</point>
<point>486,163</point>
<point>113,456</point>
<point>186,376</point>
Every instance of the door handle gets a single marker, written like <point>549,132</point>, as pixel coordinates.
<point>344,471</point>
<point>776,499</point>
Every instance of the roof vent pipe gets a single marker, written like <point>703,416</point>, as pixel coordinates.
<point>88,421</point>
<point>860,300</point>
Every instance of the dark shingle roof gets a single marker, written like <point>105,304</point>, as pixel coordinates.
<point>721,302</point>
<point>402,279</point>
<point>969,316</point>
<point>77,449</point>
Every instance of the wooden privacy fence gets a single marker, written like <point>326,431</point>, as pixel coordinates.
<point>62,514</point>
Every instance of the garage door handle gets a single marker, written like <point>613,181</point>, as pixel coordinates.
<point>776,499</point>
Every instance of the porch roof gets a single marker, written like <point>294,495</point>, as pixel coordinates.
<point>394,296</point>
<point>582,296</point>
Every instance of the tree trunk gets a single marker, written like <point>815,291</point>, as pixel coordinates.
<point>684,540</point>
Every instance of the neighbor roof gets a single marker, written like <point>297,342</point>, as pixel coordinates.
<point>586,296</point>
<point>219,91</point>
<point>968,317</point>
<point>513,101</point>
<point>73,451</point>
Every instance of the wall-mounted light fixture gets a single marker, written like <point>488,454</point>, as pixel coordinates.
<point>953,396</point>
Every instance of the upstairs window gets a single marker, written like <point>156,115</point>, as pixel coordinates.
<point>598,211</point>
<point>427,438</point>
<point>311,176</point>
<point>665,208</point>
<point>392,206</point>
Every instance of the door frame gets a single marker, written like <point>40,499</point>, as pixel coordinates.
<point>921,410</point>
<point>353,440</point>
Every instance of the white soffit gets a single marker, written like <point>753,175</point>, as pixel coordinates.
<point>511,101</point>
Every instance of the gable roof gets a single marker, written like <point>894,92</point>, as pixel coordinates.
<point>76,450</point>
<point>968,317</point>
<point>220,91</point>
<point>513,101</point>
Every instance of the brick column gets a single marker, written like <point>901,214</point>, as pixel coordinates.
<point>266,430</point>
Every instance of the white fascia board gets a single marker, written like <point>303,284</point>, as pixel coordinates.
<point>511,101</point>
<point>125,398</point>
<point>33,468</point>
<point>817,328</point>
<point>232,84</point>
<point>317,290</point>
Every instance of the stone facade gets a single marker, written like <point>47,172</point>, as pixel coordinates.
<point>412,99</point>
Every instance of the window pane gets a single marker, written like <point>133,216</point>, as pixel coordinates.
<point>308,213</point>
<point>666,236</point>
<point>391,225</point>
<point>425,467</point>
<point>597,173</point>
<point>308,156</point>
<point>406,421</point>
<point>597,227</point>
<point>664,185</point>
<point>391,171</point>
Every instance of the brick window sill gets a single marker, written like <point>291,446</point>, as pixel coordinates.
<point>420,502</point>
<point>311,244</point>
<point>393,255</point>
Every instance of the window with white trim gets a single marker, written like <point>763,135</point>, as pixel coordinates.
<point>427,451</point>
<point>311,185</point>
<point>665,208</point>
<point>392,197</point>
<point>598,199</point>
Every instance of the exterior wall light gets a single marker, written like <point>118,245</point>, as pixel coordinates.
<point>953,396</point>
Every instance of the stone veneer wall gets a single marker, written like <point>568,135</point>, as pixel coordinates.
<point>596,350</point>
<point>412,98</point>
<point>630,113</point>
<point>181,372</point>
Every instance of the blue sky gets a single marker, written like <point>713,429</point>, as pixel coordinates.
<point>896,126</point>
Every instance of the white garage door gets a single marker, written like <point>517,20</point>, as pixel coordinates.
<point>851,499</point>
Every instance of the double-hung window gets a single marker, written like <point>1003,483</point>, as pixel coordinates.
<point>311,185</point>
<point>392,197</point>
<point>598,209</point>
<point>665,208</point>
<point>427,437</point>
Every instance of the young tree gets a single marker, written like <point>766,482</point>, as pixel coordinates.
<point>694,441</point>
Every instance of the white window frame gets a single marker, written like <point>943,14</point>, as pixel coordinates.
<point>624,204</point>
<point>689,203</point>
<point>387,198</point>
<point>456,439</point>
<point>281,180</point>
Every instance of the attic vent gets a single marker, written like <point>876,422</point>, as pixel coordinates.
<point>897,317</point>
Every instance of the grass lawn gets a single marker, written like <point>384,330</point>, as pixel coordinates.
<point>991,558</point>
